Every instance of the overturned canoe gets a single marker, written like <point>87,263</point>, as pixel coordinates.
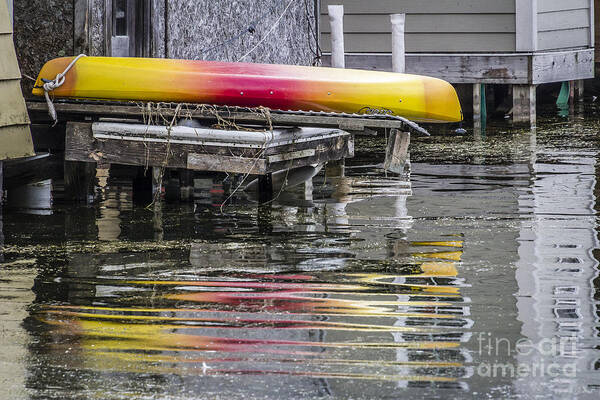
<point>284,87</point>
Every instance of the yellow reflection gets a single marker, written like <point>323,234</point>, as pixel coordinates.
<point>439,244</point>
<point>443,255</point>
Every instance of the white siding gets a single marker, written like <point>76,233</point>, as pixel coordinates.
<point>432,26</point>
<point>564,24</point>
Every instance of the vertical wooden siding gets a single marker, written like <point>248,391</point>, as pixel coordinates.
<point>433,26</point>
<point>564,24</point>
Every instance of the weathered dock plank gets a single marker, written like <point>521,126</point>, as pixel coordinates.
<point>275,151</point>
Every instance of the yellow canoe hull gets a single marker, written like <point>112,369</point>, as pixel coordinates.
<point>284,87</point>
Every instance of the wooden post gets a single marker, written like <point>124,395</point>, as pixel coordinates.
<point>308,190</point>
<point>524,105</point>
<point>156,182</point>
<point>578,90</point>
<point>157,221</point>
<point>142,187</point>
<point>398,43</point>
<point>186,184</point>
<point>79,181</point>
<point>397,151</point>
<point>265,188</point>
<point>479,108</point>
<point>571,92</point>
<point>335,169</point>
<point>336,19</point>
<point>102,176</point>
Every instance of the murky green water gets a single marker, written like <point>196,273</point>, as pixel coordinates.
<point>480,281</point>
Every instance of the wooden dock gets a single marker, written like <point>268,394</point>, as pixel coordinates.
<point>257,142</point>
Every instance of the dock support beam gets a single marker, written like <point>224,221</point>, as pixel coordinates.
<point>524,105</point>
<point>396,154</point>
<point>336,20</point>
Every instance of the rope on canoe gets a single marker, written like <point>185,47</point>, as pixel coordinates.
<point>49,86</point>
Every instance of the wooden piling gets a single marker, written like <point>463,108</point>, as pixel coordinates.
<point>79,180</point>
<point>398,43</point>
<point>396,153</point>
<point>101,182</point>
<point>157,182</point>
<point>265,188</point>
<point>479,108</point>
<point>308,190</point>
<point>336,20</point>
<point>142,187</point>
<point>524,105</point>
<point>186,184</point>
<point>578,90</point>
<point>335,169</point>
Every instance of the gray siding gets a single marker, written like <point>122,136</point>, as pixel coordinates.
<point>432,26</point>
<point>564,24</point>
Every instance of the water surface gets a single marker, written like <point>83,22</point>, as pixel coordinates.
<point>477,279</point>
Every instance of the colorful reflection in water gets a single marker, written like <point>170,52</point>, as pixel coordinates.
<point>406,326</point>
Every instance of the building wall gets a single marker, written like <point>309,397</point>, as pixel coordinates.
<point>432,26</point>
<point>564,24</point>
<point>15,138</point>
<point>459,26</point>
